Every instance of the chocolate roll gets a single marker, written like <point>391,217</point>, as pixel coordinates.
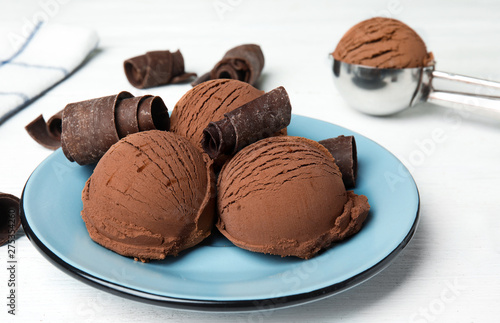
<point>9,217</point>
<point>90,127</point>
<point>141,113</point>
<point>156,68</point>
<point>47,134</point>
<point>152,114</point>
<point>126,115</point>
<point>255,120</point>
<point>343,149</point>
<point>244,63</point>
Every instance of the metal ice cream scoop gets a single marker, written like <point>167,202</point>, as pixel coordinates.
<point>380,91</point>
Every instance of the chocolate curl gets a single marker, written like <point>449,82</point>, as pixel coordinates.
<point>153,114</point>
<point>9,217</point>
<point>126,116</point>
<point>343,149</point>
<point>156,68</point>
<point>90,128</point>
<point>47,134</point>
<point>244,63</point>
<point>141,113</point>
<point>247,124</point>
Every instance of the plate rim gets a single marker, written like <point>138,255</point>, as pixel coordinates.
<point>222,305</point>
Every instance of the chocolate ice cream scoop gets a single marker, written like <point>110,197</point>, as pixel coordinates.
<point>381,66</point>
<point>285,196</point>
<point>208,102</point>
<point>383,43</point>
<point>151,195</point>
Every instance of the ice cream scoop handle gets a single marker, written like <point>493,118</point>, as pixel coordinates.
<point>466,100</point>
<point>465,79</point>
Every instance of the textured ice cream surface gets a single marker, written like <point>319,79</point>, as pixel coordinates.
<point>151,195</point>
<point>285,196</point>
<point>383,43</point>
<point>208,102</point>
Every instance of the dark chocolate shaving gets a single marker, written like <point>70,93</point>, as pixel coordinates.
<point>156,68</point>
<point>153,114</point>
<point>91,127</point>
<point>88,128</point>
<point>126,116</point>
<point>244,63</point>
<point>255,120</point>
<point>9,217</point>
<point>47,134</point>
<point>343,149</point>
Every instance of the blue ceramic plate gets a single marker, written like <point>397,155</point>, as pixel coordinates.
<point>217,275</point>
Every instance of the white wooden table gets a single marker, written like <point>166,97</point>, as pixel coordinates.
<point>450,272</point>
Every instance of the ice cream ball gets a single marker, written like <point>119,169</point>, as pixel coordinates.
<point>383,43</point>
<point>151,195</point>
<point>207,102</point>
<point>285,196</point>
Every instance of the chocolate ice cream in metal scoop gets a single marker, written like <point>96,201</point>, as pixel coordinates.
<point>381,66</point>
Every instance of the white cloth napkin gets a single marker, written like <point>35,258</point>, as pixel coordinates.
<point>42,59</point>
